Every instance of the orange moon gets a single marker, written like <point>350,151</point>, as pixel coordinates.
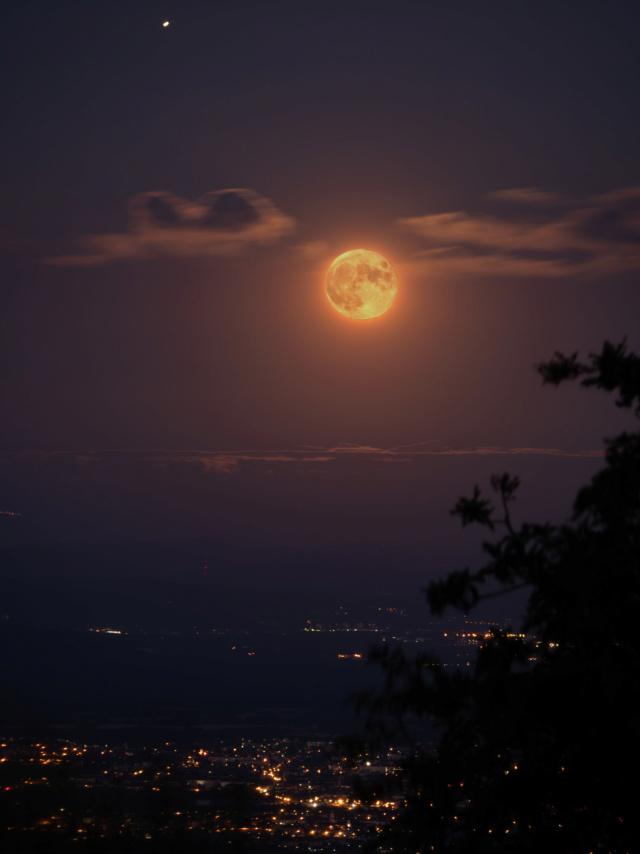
<point>361,284</point>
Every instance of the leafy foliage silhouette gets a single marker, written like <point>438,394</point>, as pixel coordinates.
<point>539,741</point>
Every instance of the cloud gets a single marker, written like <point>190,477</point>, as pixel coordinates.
<point>316,459</point>
<point>434,447</point>
<point>598,236</point>
<point>161,225</point>
<point>313,250</point>
<point>526,196</point>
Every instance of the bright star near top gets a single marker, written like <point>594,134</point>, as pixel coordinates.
<point>166,23</point>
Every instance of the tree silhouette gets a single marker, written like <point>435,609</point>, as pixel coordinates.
<point>538,743</point>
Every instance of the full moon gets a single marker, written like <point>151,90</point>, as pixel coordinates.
<point>361,284</point>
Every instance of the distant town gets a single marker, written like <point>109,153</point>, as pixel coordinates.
<point>184,713</point>
<point>280,794</point>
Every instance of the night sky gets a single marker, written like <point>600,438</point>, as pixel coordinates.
<point>170,366</point>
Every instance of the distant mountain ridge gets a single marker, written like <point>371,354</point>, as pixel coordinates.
<point>380,568</point>
<point>185,584</point>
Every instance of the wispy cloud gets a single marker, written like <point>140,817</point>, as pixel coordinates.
<point>538,234</point>
<point>313,250</point>
<point>436,448</point>
<point>527,196</point>
<point>219,223</point>
<point>306,458</point>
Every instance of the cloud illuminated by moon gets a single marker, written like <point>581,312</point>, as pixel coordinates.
<point>361,284</point>
<point>220,223</point>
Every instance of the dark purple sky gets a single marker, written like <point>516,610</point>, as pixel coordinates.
<point>169,364</point>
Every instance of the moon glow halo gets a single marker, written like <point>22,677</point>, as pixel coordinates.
<point>361,284</point>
